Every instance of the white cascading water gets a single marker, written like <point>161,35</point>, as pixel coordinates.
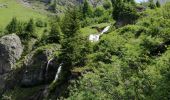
<point>58,72</point>
<point>49,61</point>
<point>105,30</point>
<point>46,70</point>
<point>95,37</point>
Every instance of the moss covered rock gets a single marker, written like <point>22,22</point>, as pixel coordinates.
<point>37,64</point>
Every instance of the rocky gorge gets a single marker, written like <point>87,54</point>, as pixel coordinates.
<point>27,71</point>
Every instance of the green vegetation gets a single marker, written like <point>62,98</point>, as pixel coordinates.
<point>152,4</point>
<point>129,62</point>
<point>124,11</point>
<point>158,4</point>
<point>15,9</point>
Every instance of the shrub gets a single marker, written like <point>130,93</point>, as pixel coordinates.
<point>40,23</point>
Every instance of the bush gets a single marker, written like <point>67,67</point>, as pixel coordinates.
<point>99,12</point>
<point>107,5</point>
<point>12,27</point>
<point>40,23</point>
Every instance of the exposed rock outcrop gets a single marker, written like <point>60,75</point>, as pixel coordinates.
<point>35,71</point>
<point>10,51</point>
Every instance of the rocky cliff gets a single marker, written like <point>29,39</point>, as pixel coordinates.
<point>10,51</point>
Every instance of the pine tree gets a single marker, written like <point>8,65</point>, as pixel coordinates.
<point>124,11</point>
<point>55,34</point>
<point>86,10</point>
<point>107,4</point>
<point>54,5</point>
<point>30,28</point>
<point>71,23</point>
<point>152,4</point>
<point>73,43</point>
<point>158,4</point>
<point>12,27</point>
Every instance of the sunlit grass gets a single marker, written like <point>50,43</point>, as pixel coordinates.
<point>15,9</point>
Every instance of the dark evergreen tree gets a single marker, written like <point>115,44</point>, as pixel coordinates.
<point>73,49</point>
<point>117,4</point>
<point>158,4</point>
<point>73,44</point>
<point>70,23</point>
<point>30,29</point>
<point>54,5</point>
<point>70,28</point>
<point>55,34</point>
<point>124,12</point>
<point>12,27</point>
<point>107,4</point>
<point>86,9</point>
<point>98,12</point>
<point>152,4</point>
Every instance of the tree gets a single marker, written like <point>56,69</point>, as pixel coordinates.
<point>53,6</point>
<point>86,9</point>
<point>73,45</point>
<point>107,4</point>
<point>70,28</point>
<point>30,29</point>
<point>158,4</point>
<point>98,12</point>
<point>151,4</point>
<point>71,23</point>
<point>55,34</point>
<point>123,11</point>
<point>73,50</point>
<point>12,27</point>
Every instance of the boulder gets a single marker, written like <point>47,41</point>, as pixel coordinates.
<point>10,51</point>
<point>35,67</point>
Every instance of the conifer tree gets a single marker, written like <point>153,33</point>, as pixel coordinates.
<point>12,27</point>
<point>55,33</point>
<point>71,23</point>
<point>73,49</point>
<point>123,11</point>
<point>54,5</point>
<point>158,4</point>
<point>30,28</point>
<point>107,4</point>
<point>86,10</point>
<point>152,4</point>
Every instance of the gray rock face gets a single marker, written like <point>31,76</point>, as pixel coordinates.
<point>35,67</point>
<point>2,83</point>
<point>10,51</point>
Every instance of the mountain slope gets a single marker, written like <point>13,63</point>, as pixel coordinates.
<point>13,8</point>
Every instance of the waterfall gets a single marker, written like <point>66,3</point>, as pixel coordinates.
<point>105,30</point>
<point>48,64</point>
<point>58,72</point>
<point>46,70</point>
<point>95,37</point>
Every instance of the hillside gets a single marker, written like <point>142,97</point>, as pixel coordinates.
<point>10,9</point>
<point>84,50</point>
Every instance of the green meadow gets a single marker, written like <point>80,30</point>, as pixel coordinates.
<point>15,9</point>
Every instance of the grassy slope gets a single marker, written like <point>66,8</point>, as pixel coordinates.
<point>15,9</point>
<point>86,31</point>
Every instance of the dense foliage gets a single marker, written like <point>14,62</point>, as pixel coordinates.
<point>129,62</point>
